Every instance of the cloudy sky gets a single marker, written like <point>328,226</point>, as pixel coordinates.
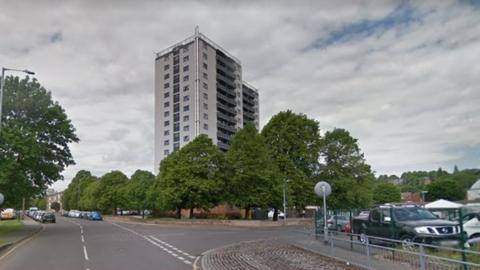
<point>403,77</point>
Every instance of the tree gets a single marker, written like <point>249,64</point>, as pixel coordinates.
<point>136,190</point>
<point>252,181</point>
<point>445,189</point>
<point>72,196</point>
<point>111,197</point>
<point>294,143</point>
<point>90,196</point>
<point>40,203</point>
<point>386,193</point>
<point>55,206</point>
<point>346,170</point>
<point>34,140</point>
<point>193,177</point>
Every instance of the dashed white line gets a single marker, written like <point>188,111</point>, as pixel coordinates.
<point>83,239</point>
<point>85,252</point>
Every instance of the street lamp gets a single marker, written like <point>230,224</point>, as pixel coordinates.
<point>2,84</point>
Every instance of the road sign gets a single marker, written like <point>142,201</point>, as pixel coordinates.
<point>1,198</point>
<point>319,189</point>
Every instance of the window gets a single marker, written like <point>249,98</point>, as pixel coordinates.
<point>186,88</point>
<point>185,49</point>
<point>205,86</point>
<point>166,85</point>
<point>205,95</point>
<point>205,126</point>
<point>376,215</point>
<point>186,118</point>
<point>205,66</point>
<point>205,106</point>
<point>185,68</point>
<point>186,98</point>
<point>185,78</point>
<point>176,127</point>
<point>176,117</point>
<point>166,104</point>
<point>205,46</point>
<point>166,95</point>
<point>176,98</point>
<point>166,133</point>
<point>205,56</point>
<point>186,138</point>
<point>185,59</point>
<point>166,152</point>
<point>186,108</point>
<point>176,78</point>
<point>166,114</point>
<point>176,88</point>
<point>166,76</point>
<point>205,76</point>
<point>186,128</point>
<point>176,108</point>
<point>205,116</point>
<point>176,137</point>
<point>166,123</point>
<point>166,67</point>
<point>166,142</point>
<point>176,146</point>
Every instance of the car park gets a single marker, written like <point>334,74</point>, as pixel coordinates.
<point>337,222</point>
<point>471,225</point>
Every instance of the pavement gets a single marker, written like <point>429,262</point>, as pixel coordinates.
<point>78,244</point>
<point>29,228</point>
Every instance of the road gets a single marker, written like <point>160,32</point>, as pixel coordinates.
<point>78,244</point>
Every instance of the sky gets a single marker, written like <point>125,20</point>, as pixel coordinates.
<point>402,76</point>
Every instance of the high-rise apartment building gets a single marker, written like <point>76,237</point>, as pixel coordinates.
<point>199,90</point>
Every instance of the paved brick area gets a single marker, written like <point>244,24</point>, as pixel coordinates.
<point>268,254</point>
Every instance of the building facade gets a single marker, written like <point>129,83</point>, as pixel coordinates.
<point>53,196</point>
<point>199,90</point>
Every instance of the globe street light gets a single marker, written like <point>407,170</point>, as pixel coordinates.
<point>2,84</point>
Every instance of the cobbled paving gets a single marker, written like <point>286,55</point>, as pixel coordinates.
<point>268,254</point>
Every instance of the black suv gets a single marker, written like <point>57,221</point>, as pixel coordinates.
<point>409,224</point>
<point>48,217</point>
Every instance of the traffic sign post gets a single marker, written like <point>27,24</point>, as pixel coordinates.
<point>323,189</point>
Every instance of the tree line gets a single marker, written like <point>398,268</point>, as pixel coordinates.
<point>439,184</point>
<point>288,153</point>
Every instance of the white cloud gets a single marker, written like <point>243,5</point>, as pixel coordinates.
<point>408,90</point>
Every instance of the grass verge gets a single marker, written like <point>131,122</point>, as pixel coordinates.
<point>8,226</point>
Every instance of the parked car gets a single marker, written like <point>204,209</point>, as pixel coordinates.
<point>47,217</point>
<point>471,225</point>
<point>411,224</point>
<point>74,213</point>
<point>31,210</point>
<point>84,214</point>
<point>95,215</point>
<point>8,213</point>
<point>281,215</point>
<point>337,222</point>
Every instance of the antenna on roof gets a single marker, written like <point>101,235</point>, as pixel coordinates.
<point>197,30</point>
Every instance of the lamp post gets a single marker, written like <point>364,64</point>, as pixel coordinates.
<point>2,85</point>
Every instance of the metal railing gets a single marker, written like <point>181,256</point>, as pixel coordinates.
<point>409,254</point>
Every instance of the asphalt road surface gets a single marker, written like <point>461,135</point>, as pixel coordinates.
<point>78,244</point>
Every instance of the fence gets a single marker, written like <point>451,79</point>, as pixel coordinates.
<point>389,248</point>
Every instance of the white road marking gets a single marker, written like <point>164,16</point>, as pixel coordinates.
<point>160,244</point>
<point>85,252</point>
<point>83,239</point>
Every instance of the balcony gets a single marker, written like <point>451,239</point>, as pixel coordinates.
<point>225,108</point>
<point>223,125</point>
<point>226,99</point>
<point>223,136</point>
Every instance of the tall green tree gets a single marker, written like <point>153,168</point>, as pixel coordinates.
<point>90,196</point>
<point>252,183</point>
<point>34,140</point>
<point>386,193</point>
<point>445,189</point>
<point>137,188</point>
<point>111,195</point>
<point>294,143</point>
<point>193,177</point>
<point>346,170</point>
<point>72,196</point>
